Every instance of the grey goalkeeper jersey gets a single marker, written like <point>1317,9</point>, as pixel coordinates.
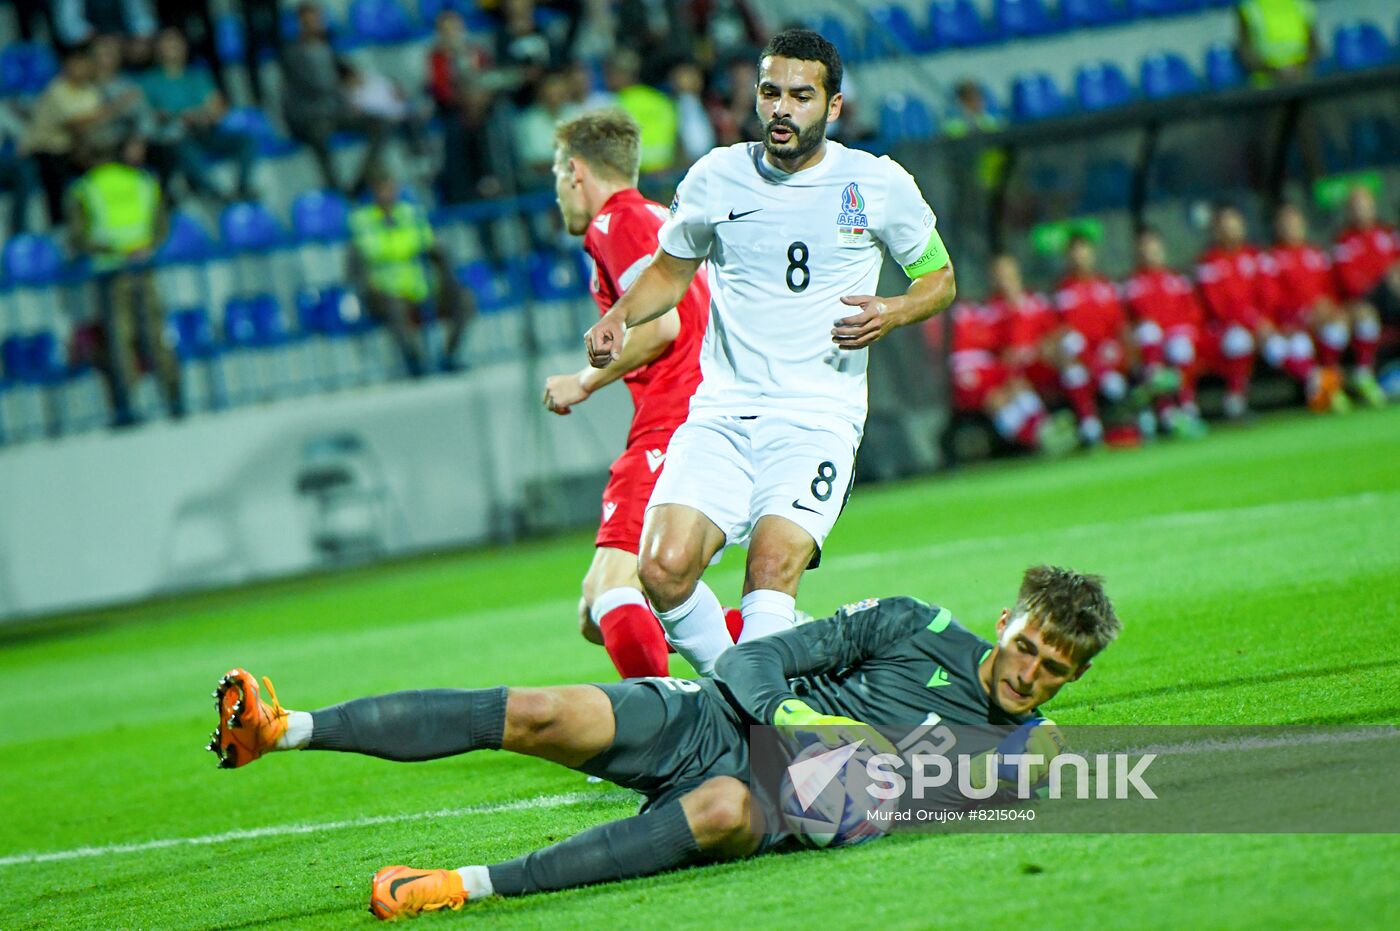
<point>885,661</point>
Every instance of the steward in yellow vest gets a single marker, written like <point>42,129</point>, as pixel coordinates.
<point>117,217</point>
<point>392,245</point>
<point>1277,38</point>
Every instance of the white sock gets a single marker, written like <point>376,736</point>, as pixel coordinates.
<point>696,629</point>
<point>298,732</point>
<point>766,612</point>
<point>616,598</point>
<point>477,881</point>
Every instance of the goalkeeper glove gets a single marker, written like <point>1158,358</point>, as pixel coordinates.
<point>829,729</point>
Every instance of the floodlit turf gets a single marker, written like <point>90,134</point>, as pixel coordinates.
<point>1258,573</point>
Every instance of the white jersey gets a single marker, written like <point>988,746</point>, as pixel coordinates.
<point>783,250</point>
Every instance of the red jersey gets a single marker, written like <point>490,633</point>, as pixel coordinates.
<point>1302,278</point>
<point>1362,257</point>
<point>1233,285</point>
<point>1163,297</point>
<point>1028,320</point>
<point>978,327</point>
<point>1090,307</point>
<point>621,241</point>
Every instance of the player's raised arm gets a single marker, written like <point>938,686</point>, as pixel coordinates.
<point>756,673</point>
<point>640,345</point>
<point>657,291</point>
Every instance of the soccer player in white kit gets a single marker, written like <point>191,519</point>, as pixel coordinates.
<point>795,229</point>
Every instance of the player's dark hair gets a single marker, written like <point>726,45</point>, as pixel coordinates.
<point>608,140</point>
<point>1071,608</point>
<point>1078,239</point>
<point>806,45</point>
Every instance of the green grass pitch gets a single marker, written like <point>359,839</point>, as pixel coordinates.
<point>1258,573</point>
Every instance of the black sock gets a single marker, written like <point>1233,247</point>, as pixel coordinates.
<point>413,726</point>
<point>648,843</point>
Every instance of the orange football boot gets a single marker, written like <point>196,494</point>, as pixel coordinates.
<point>403,892</point>
<point>248,726</point>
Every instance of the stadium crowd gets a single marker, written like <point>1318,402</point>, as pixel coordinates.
<point>1141,343</point>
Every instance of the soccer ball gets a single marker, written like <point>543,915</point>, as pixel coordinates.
<point>824,798</point>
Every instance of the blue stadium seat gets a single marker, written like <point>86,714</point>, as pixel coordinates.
<point>320,216</point>
<point>554,277</point>
<point>1034,97</point>
<point>957,24</point>
<point>32,260</point>
<point>194,336</point>
<point>492,290</point>
<point>379,22</point>
<point>1025,18</point>
<point>899,31</point>
<point>1223,68</point>
<point>1359,45</point>
<point>838,34</point>
<point>1165,7</point>
<point>1167,74</point>
<point>229,41</point>
<point>1093,12</point>
<point>253,322</point>
<point>250,227</point>
<point>254,122</point>
<point>188,243</point>
<point>905,116</point>
<point>26,67</point>
<point>1101,85</point>
<point>33,358</point>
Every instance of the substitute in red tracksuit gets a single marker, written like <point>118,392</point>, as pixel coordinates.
<point>1366,258</point>
<point>1237,295</point>
<point>1306,313</point>
<point>1092,357</point>
<point>1168,328</point>
<point>1030,324</point>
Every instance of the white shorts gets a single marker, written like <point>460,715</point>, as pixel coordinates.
<point>735,470</point>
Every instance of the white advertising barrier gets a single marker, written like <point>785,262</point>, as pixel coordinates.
<point>265,491</point>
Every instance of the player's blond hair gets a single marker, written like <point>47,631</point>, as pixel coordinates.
<point>609,141</point>
<point>1071,608</point>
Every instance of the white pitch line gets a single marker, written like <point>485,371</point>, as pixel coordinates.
<point>285,830</point>
<point>579,798</point>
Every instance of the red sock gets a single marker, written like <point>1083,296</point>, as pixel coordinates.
<point>1029,434</point>
<point>1364,351</point>
<point>1328,356</point>
<point>634,640</point>
<point>1236,373</point>
<point>1187,393</point>
<point>1298,368</point>
<point>734,620</point>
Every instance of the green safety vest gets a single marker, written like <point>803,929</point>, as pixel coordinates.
<point>121,204</point>
<point>1279,30</point>
<point>655,114</point>
<point>393,247</point>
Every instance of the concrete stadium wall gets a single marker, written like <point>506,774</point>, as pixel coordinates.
<point>111,517</point>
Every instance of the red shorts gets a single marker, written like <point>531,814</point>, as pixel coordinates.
<point>976,375</point>
<point>630,480</point>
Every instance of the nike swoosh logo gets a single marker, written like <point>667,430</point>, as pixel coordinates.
<point>740,216</point>
<point>802,507</point>
<point>394,886</point>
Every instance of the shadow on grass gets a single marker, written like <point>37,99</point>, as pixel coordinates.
<point>267,921</point>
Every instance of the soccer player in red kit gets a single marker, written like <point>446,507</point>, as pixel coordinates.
<point>1092,360</point>
<point>1167,324</point>
<point>1030,323</point>
<point>595,171</point>
<point>1237,297</point>
<point>1367,260</point>
<point>1305,311</point>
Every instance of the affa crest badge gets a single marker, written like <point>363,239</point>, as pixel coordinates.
<point>852,221</point>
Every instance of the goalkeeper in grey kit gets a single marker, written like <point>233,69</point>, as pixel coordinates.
<point>684,744</point>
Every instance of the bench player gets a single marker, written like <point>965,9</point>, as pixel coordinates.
<point>795,229</point>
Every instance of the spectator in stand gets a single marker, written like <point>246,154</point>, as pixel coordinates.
<point>1167,323</point>
<point>313,103</point>
<point>1237,297</point>
<point>1032,324</point>
<point>117,218</point>
<point>78,22</point>
<point>1092,360</point>
<point>32,13</point>
<point>391,242</point>
<point>735,110</point>
<point>194,21</point>
<point>19,174</point>
<point>968,112</point>
<point>656,33</point>
<point>695,131</point>
<point>1277,39</point>
<point>534,131</point>
<point>127,111</point>
<point>262,34</point>
<point>727,28</point>
<point>1367,259</point>
<point>984,383</point>
<point>523,50</point>
<point>654,112</point>
<point>373,96</point>
<point>188,110</point>
<point>66,112</point>
<point>1305,311</point>
<point>454,60</point>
